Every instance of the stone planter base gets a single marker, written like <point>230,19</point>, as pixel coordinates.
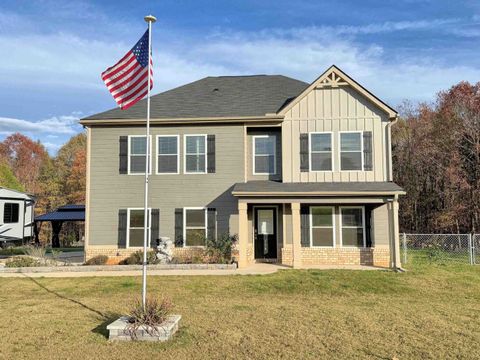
<point>118,330</point>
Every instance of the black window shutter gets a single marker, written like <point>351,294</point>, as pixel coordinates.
<point>367,151</point>
<point>123,155</point>
<point>155,228</point>
<point>304,156</point>
<point>122,228</point>
<point>212,223</point>
<point>179,227</point>
<point>210,153</point>
<point>305,226</point>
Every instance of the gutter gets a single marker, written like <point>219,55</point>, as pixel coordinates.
<point>318,193</point>
<point>390,159</point>
<point>200,120</point>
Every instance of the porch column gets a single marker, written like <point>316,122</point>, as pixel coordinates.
<point>396,234</point>
<point>296,234</point>
<point>242,234</point>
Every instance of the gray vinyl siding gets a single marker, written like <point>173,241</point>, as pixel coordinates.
<point>110,191</point>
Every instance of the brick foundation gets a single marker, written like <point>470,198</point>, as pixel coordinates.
<point>117,255</point>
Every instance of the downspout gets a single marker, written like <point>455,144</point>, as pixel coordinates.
<point>389,140</point>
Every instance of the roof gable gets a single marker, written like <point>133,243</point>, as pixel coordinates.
<point>334,77</point>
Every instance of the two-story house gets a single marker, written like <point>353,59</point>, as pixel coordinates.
<point>302,173</point>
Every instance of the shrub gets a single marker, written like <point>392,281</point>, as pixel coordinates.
<point>97,260</point>
<point>219,250</point>
<point>137,258</point>
<point>149,317</point>
<point>38,252</point>
<point>22,261</point>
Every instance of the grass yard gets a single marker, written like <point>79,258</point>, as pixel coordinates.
<point>430,312</point>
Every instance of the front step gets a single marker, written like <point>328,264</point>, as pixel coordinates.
<point>267,261</point>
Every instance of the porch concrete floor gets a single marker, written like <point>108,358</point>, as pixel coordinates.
<point>254,269</point>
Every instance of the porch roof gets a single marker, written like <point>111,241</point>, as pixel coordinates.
<point>274,188</point>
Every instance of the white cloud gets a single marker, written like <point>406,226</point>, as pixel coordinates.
<point>64,124</point>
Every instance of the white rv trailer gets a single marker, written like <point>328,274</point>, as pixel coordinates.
<point>16,216</point>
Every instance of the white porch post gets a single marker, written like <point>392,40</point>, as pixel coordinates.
<point>242,235</point>
<point>396,234</point>
<point>296,236</point>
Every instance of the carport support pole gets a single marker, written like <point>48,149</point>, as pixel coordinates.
<point>146,219</point>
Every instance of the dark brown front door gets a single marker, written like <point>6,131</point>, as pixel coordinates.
<point>265,232</point>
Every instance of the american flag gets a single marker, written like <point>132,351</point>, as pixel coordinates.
<point>127,80</point>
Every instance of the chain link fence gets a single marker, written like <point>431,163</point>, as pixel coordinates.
<point>440,248</point>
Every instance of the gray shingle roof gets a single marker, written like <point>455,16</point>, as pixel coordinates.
<point>222,96</point>
<point>333,187</point>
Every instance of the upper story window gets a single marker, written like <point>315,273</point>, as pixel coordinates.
<point>351,151</point>
<point>264,158</point>
<point>195,154</point>
<point>321,152</point>
<point>137,152</point>
<point>195,226</point>
<point>353,226</point>
<point>167,154</point>
<point>10,213</point>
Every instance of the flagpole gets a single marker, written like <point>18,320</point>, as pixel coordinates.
<point>150,19</point>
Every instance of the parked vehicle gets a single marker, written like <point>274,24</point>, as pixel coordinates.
<point>16,217</point>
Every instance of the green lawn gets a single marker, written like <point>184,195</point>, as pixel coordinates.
<point>430,312</point>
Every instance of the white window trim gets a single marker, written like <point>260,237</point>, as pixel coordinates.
<point>185,136</point>
<point>128,155</point>
<point>194,227</point>
<point>353,227</point>
<point>254,137</point>
<point>340,149</point>
<point>158,155</point>
<point>322,227</point>
<point>149,228</point>
<point>310,152</point>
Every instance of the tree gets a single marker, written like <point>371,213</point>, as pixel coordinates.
<point>8,179</point>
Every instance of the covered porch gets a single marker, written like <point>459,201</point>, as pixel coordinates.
<point>318,224</point>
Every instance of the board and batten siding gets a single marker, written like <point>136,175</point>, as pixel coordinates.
<point>334,110</point>
<point>111,191</point>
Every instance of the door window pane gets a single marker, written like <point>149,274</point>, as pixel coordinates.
<point>265,223</point>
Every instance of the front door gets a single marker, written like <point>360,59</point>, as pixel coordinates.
<point>265,232</point>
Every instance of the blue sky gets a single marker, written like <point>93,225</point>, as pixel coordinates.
<point>54,51</point>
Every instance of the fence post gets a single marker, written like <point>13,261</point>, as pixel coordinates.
<point>474,239</point>
<point>404,244</point>
<point>470,248</point>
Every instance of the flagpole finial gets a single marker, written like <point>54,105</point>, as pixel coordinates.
<point>150,18</point>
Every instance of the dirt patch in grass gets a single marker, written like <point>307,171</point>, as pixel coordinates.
<point>429,312</point>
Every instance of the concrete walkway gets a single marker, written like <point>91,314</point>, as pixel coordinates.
<point>255,269</point>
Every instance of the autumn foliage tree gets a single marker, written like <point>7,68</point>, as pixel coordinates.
<point>436,153</point>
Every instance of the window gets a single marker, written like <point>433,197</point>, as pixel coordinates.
<point>264,161</point>
<point>167,154</point>
<point>195,226</point>
<point>10,213</point>
<point>137,151</point>
<point>195,154</point>
<point>351,151</point>
<point>136,226</point>
<point>353,226</point>
<point>321,152</point>
<point>322,226</point>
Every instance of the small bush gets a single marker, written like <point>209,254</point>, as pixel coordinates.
<point>22,261</point>
<point>219,250</point>
<point>155,313</point>
<point>137,258</point>
<point>97,260</point>
<point>38,252</point>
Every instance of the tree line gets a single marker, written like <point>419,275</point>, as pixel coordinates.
<point>436,159</point>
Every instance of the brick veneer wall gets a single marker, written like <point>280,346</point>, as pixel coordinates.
<point>117,255</point>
